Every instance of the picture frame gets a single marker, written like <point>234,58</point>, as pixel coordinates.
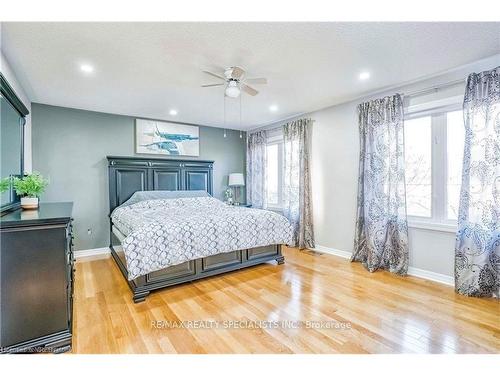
<point>166,138</point>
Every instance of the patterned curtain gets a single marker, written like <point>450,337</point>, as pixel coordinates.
<point>477,249</point>
<point>256,169</point>
<point>381,239</point>
<point>297,205</point>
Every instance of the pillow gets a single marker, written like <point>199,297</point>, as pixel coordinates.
<point>140,196</point>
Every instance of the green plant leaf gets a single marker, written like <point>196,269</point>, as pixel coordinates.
<point>4,184</point>
<point>31,185</point>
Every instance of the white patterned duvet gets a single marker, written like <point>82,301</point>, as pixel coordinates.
<point>165,232</point>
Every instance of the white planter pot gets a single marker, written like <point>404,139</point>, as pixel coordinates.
<point>29,203</point>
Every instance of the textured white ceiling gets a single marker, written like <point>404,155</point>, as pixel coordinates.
<point>146,69</point>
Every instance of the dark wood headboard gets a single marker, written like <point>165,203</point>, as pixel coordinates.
<point>130,174</point>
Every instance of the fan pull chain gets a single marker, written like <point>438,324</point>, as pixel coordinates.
<point>225,134</point>
<point>241,134</point>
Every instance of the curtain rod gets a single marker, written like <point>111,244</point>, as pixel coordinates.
<point>410,94</point>
<point>434,88</point>
<point>279,124</point>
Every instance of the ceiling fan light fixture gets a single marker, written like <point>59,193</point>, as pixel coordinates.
<point>235,82</point>
<point>232,89</point>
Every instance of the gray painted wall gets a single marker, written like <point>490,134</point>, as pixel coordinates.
<point>70,147</point>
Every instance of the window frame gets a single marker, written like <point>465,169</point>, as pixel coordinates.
<point>439,171</point>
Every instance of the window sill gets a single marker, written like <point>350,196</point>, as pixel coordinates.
<point>438,227</point>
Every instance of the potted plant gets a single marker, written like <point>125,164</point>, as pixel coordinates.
<point>29,188</point>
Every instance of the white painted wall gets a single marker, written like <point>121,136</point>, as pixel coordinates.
<point>335,157</point>
<point>335,153</point>
<point>8,73</point>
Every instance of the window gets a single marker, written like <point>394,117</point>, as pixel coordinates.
<point>434,146</point>
<point>274,173</point>
<point>418,160</point>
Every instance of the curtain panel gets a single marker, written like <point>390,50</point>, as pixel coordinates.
<point>381,235</point>
<point>297,195</point>
<point>477,249</point>
<point>256,169</point>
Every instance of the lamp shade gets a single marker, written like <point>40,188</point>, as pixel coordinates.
<point>236,179</point>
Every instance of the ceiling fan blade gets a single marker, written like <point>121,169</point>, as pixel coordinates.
<point>213,84</point>
<point>256,81</point>
<point>215,75</point>
<point>237,72</point>
<point>249,90</point>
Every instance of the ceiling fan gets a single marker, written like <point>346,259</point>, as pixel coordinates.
<point>235,82</point>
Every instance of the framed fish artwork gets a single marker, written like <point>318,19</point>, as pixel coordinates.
<point>166,138</point>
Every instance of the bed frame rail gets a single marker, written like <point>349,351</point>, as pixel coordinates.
<point>193,269</point>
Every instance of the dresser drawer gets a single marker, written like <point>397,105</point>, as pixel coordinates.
<point>34,284</point>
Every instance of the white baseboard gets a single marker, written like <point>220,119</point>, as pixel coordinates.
<point>433,276</point>
<point>329,250</point>
<point>412,271</point>
<point>91,252</point>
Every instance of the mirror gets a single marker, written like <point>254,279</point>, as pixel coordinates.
<point>12,120</point>
<point>10,138</point>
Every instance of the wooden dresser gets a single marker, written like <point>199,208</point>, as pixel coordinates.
<point>36,279</point>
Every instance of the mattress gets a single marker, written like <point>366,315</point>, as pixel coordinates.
<point>164,232</point>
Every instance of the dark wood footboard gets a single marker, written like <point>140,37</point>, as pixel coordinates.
<point>193,269</point>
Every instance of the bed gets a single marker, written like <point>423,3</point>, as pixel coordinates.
<point>166,229</point>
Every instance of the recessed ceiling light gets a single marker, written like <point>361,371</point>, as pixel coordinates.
<point>86,68</point>
<point>364,76</point>
<point>173,112</point>
<point>273,108</point>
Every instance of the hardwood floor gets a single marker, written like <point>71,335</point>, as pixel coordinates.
<point>387,313</point>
